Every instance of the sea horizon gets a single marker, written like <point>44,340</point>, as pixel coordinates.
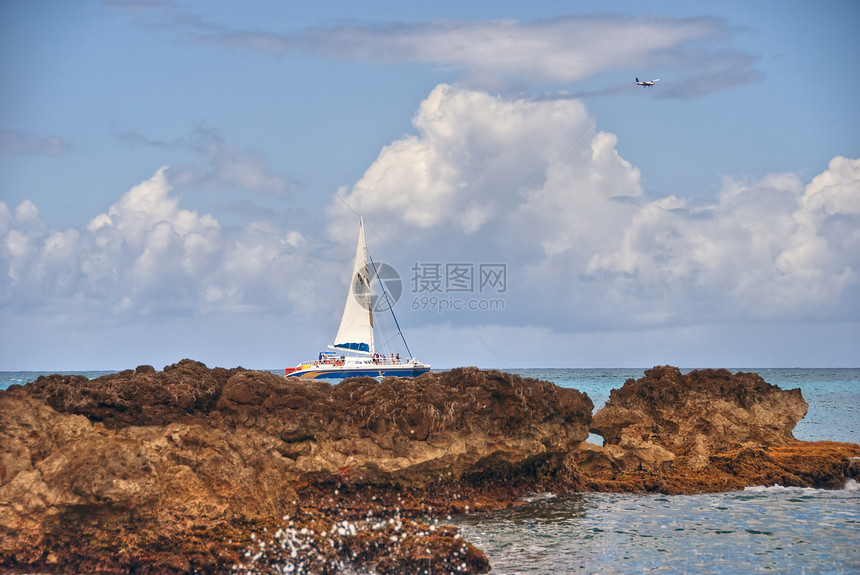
<point>71,371</point>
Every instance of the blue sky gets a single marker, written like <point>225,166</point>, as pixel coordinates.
<point>181,179</point>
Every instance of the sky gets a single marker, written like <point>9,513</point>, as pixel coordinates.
<point>185,178</point>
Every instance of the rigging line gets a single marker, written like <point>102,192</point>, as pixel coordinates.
<point>389,340</point>
<point>488,347</point>
<point>383,332</point>
<point>522,194</point>
<point>390,306</point>
<point>319,177</point>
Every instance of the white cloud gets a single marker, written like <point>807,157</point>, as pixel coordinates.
<point>28,214</point>
<point>147,256</point>
<point>584,245</point>
<point>143,207</point>
<point>532,184</point>
<point>473,158</point>
<point>834,191</point>
<point>492,53</point>
<point>561,50</point>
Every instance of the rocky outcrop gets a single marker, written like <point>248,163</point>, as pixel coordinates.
<point>73,489</point>
<point>142,396</point>
<point>706,431</point>
<point>412,431</point>
<point>361,430</point>
<point>666,414</point>
<point>175,470</point>
<point>192,469</point>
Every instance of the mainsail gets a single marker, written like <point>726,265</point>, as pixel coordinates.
<point>356,326</point>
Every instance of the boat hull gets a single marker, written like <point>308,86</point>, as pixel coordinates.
<point>344,371</point>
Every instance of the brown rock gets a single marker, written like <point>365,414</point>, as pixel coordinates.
<point>139,397</point>
<point>413,431</point>
<point>174,470</point>
<point>706,431</point>
<point>75,488</point>
<point>707,409</point>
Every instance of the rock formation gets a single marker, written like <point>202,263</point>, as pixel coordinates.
<point>706,431</point>
<point>666,414</point>
<point>73,488</point>
<point>710,408</point>
<point>177,468</point>
<point>412,431</point>
<point>198,469</point>
<point>142,396</point>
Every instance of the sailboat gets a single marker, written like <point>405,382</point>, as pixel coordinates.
<point>353,353</point>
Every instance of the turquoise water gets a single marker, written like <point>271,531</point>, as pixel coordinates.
<point>765,529</point>
<point>758,530</point>
<point>8,378</point>
<point>833,394</point>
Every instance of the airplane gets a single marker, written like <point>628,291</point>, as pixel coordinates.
<point>647,83</point>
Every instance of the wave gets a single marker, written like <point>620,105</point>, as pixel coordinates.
<point>534,497</point>
<point>850,485</point>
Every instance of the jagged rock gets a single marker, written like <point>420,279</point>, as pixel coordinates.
<point>629,456</point>
<point>409,430</point>
<point>137,397</point>
<point>707,410</point>
<point>173,471</point>
<point>667,419</point>
<point>159,468</point>
<point>73,488</point>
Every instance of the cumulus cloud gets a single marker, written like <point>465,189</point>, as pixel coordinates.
<point>483,179</point>
<point>474,156</point>
<point>146,255</point>
<point>759,251</point>
<point>584,244</point>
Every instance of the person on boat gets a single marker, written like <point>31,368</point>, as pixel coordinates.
<point>398,358</point>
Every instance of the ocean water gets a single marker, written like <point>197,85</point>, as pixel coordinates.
<point>8,378</point>
<point>833,394</point>
<point>758,530</point>
<point>765,529</point>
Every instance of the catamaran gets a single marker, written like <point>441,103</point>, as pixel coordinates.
<point>353,353</point>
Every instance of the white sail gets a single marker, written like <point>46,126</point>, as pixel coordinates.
<point>356,326</point>
<point>355,354</point>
